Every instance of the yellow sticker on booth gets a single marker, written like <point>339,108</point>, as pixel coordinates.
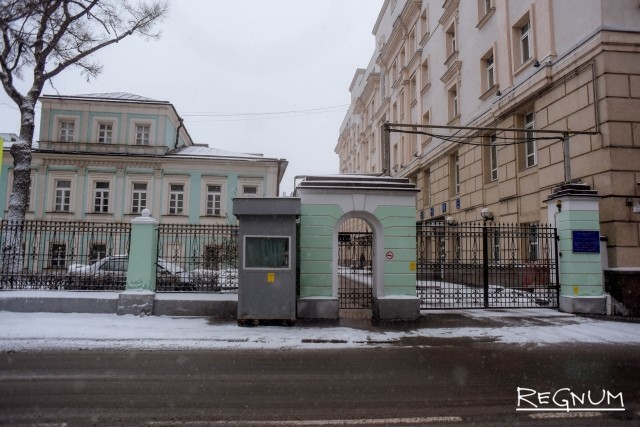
<point>412,266</point>
<point>271,277</point>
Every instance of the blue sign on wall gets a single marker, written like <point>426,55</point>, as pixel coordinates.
<point>432,211</point>
<point>458,203</point>
<point>586,241</point>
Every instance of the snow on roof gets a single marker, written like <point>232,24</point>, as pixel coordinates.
<point>111,96</point>
<point>206,151</point>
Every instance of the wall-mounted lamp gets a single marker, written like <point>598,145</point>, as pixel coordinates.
<point>536,64</point>
<point>498,93</point>
<point>450,220</point>
<point>486,214</point>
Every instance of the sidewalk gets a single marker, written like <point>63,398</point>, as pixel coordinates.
<point>74,331</point>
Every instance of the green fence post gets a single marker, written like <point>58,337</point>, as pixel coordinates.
<point>139,295</point>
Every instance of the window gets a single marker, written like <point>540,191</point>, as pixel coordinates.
<point>66,130</point>
<point>214,200</point>
<point>424,25</point>
<point>454,109</point>
<point>525,42</point>
<point>452,46</point>
<point>493,158</point>
<point>176,199</point>
<point>530,144</point>
<point>426,176</point>
<point>57,255</point>
<point>489,72</point>
<point>426,120</point>
<point>105,133</point>
<point>424,75</point>
<point>143,134</point>
<point>101,197</point>
<point>487,6</point>
<point>454,162</point>
<point>139,197</point>
<point>249,191</point>
<point>63,196</point>
<point>266,252</point>
<point>97,251</point>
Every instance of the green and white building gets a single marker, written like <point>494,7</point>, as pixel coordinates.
<point>105,157</point>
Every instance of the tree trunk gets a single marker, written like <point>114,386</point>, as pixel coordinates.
<point>12,249</point>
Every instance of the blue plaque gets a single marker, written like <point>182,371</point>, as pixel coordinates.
<point>585,241</point>
<point>458,203</point>
<point>432,211</point>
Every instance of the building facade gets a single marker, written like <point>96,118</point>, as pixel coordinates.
<point>106,157</point>
<point>512,70</point>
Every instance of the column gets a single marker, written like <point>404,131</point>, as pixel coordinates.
<point>573,209</point>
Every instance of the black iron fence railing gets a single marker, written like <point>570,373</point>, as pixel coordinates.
<point>486,265</point>
<point>197,258</point>
<point>63,255</point>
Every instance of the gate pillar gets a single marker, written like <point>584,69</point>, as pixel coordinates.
<point>573,208</point>
<point>388,205</point>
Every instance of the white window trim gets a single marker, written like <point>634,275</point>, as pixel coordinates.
<point>172,180</point>
<point>253,182</point>
<point>137,179</point>
<point>52,185</point>
<point>93,179</point>
<point>222,183</point>
<point>57,125</point>
<point>133,131</point>
<point>95,126</point>
<point>493,168</point>
<point>519,63</point>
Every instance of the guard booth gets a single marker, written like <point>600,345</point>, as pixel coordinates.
<point>267,259</point>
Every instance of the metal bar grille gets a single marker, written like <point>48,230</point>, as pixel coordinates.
<point>62,255</point>
<point>486,266</point>
<point>355,255</point>
<point>197,258</point>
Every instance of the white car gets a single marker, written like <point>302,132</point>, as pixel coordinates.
<point>111,273</point>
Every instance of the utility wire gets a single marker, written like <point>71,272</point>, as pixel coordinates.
<point>273,113</point>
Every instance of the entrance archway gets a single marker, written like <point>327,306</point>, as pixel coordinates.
<point>355,264</point>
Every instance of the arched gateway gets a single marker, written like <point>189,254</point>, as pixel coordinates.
<point>361,227</point>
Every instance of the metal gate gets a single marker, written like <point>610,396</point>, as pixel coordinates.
<point>487,266</point>
<point>355,255</point>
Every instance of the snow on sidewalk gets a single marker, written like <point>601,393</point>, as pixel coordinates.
<point>44,331</point>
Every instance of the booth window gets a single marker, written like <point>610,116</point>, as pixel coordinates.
<point>266,252</point>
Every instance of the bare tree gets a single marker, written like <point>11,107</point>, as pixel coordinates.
<point>40,39</point>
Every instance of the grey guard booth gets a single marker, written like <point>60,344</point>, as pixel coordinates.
<point>267,258</point>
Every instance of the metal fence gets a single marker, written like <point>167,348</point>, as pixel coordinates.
<point>486,265</point>
<point>197,258</point>
<point>355,255</point>
<point>64,255</point>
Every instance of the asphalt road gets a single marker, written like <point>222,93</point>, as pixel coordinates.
<point>425,382</point>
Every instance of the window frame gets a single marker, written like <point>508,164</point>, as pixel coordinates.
<point>61,127</point>
<point>178,200</point>
<point>60,206</point>
<point>530,146</point>
<point>141,204</point>
<point>101,196</point>
<point>54,260</point>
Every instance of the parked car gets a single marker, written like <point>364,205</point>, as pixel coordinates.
<point>110,273</point>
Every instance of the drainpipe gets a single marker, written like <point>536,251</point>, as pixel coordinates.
<point>386,150</point>
<point>180,125</point>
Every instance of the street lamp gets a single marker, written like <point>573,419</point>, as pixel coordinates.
<point>450,220</point>
<point>486,214</point>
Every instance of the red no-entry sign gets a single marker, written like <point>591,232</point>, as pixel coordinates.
<point>389,255</point>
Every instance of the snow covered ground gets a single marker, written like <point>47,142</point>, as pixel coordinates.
<point>44,331</point>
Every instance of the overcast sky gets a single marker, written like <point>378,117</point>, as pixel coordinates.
<point>219,62</point>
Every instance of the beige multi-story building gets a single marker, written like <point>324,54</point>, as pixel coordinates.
<point>511,70</point>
